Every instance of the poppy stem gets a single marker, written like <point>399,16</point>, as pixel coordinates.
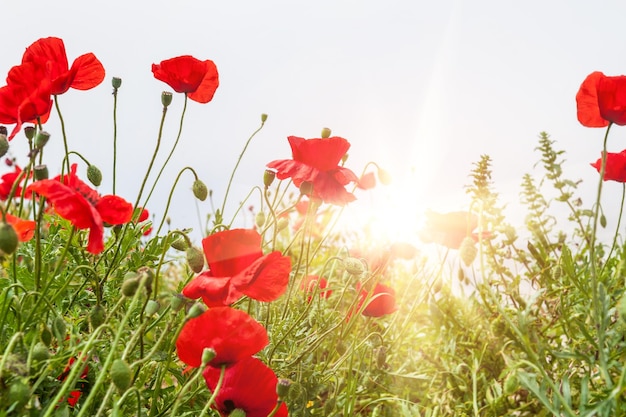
<point>619,221</point>
<point>169,198</point>
<point>216,391</point>
<point>114,136</point>
<point>58,109</point>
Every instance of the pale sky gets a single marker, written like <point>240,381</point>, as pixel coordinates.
<point>421,87</point>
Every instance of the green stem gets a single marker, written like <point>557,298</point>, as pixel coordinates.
<point>114,136</point>
<point>169,198</point>
<point>218,386</point>
<point>58,109</point>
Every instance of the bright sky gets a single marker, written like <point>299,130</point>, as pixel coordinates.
<point>421,87</point>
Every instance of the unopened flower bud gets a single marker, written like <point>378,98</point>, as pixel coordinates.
<point>8,238</point>
<point>4,145</point>
<point>263,118</point>
<point>468,250</point>
<point>180,243</point>
<point>268,177</point>
<point>282,388</point>
<point>326,133</point>
<point>166,98</point>
<point>59,328</point>
<point>29,132</point>
<point>18,394</point>
<point>195,259</point>
<point>94,175</point>
<point>46,335</point>
<point>152,307</point>
<point>384,177</point>
<point>196,310</point>
<point>147,275</point>
<point>199,190</point>
<point>603,220</point>
<point>40,352</point>
<point>237,412</point>
<point>41,139</point>
<point>116,82</point>
<point>282,223</point>
<point>354,266</point>
<point>129,287</point>
<point>177,301</point>
<point>97,316</point>
<point>120,374</point>
<point>207,355</point>
<point>259,219</point>
<point>40,172</point>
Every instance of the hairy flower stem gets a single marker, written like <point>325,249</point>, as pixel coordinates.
<point>619,221</point>
<point>114,137</point>
<point>232,174</point>
<point>180,131</point>
<point>169,198</point>
<point>596,302</point>
<point>58,109</point>
<point>216,391</point>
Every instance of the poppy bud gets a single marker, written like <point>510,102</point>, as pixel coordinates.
<point>384,177</point>
<point>510,384</point>
<point>207,355</point>
<point>282,223</point>
<point>326,133</point>
<point>237,412</point>
<point>148,276</point>
<point>177,301</point>
<point>59,328</point>
<point>40,353</point>
<point>19,394</point>
<point>603,220</point>
<point>199,190</point>
<point>263,118</point>
<point>195,259</point>
<point>40,172</point>
<point>268,177</point>
<point>97,316</point>
<point>468,251</point>
<point>8,238</point>
<point>259,220</point>
<point>116,82</point>
<point>46,335</point>
<point>166,98</point>
<point>4,145</point>
<point>196,310</point>
<point>152,307</point>
<point>179,244</point>
<point>282,388</point>
<point>94,175</point>
<point>41,139</point>
<point>120,374</point>
<point>129,287</point>
<point>354,266</point>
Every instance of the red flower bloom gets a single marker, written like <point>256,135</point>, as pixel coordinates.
<point>7,181</point>
<point>237,267</point>
<point>145,214</point>
<point>83,206</point>
<point>26,98</point>
<point>449,229</point>
<point>49,55</point>
<point>186,74</point>
<point>314,284</point>
<point>315,162</point>
<point>233,334</point>
<point>381,302</point>
<point>25,229</point>
<point>74,396</point>
<point>249,385</point>
<point>615,166</point>
<point>602,100</point>
<point>367,181</point>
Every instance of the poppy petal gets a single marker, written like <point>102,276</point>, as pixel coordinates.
<point>587,106</point>
<point>266,279</point>
<point>205,91</point>
<point>230,251</point>
<point>114,209</point>
<point>88,72</point>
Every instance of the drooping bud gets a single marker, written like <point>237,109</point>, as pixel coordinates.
<point>384,177</point>
<point>29,132</point>
<point>166,98</point>
<point>326,133</point>
<point>8,238</point>
<point>40,172</point>
<point>259,219</point>
<point>468,251</point>
<point>41,139</point>
<point>19,394</point>
<point>4,145</point>
<point>268,177</point>
<point>129,286</point>
<point>94,175</point>
<point>116,82</point>
<point>40,352</point>
<point>282,223</point>
<point>97,316</point>
<point>200,190</point>
<point>282,388</point>
<point>263,118</point>
<point>120,374</point>
<point>180,243</point>
<point>195,259</point>
<point>603,220</point>
<point>207,355</point>
<point>147,276</point>
<point>152,307</point>
<point>354,266</point>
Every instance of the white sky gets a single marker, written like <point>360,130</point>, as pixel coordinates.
<point>421,87</point>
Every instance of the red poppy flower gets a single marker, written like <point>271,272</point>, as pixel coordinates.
<point>74,396</point>
<point>75,201</point>
<point>25,98</point>
<point>49,54</point>
<point>367,181</point>
<point>143,216</point>
<point>615,166</point>
<point>232,333</point>
<point>237,267</point>
<point>381,302</point>
<point>25,229</point>
<point>249,385</point>
<point>315,162</point>
<point>314,284</point>
<point>7,181</point>
<point>186,74</point>
<point>449,229</point>
<point>602,100</point>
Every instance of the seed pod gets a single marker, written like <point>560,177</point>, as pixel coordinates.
<point>4,145</point>
<point>120,374</point>
<point>8,238</point>
<point>40,353</point>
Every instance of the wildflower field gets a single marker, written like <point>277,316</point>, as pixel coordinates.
<point>106,311</point>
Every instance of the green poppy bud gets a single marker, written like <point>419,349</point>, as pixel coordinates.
<point>40,352</point>
<point>4,145</point>
<point>120,374</point>
<point>263,118</point>
<point>29,132</point>
<point>166,98</point>
<point>19,394</point>
<point>41,139</point>
<point>268,177</point>
<point>97,316</point>
<point>40,172</point>
<point>8,238</point>
<point>46,335</point>
<point>207,355</point>
<point>152,307</point>
<point>259,219</point>
<point>196,310</point>
<point>354,266</point>
<point>602,220</point>
<point>326,133</point>
<point>468,251</point>
<point>116,82</point>
<point>179,243</point>
<point>147,275</point>
<point>282,388</point>
<point>199,190</point>
<point>94,175</point>
<point>177,301</point>
<point>282,223</point>
<point>129,287</point>
<point>195,259</point>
